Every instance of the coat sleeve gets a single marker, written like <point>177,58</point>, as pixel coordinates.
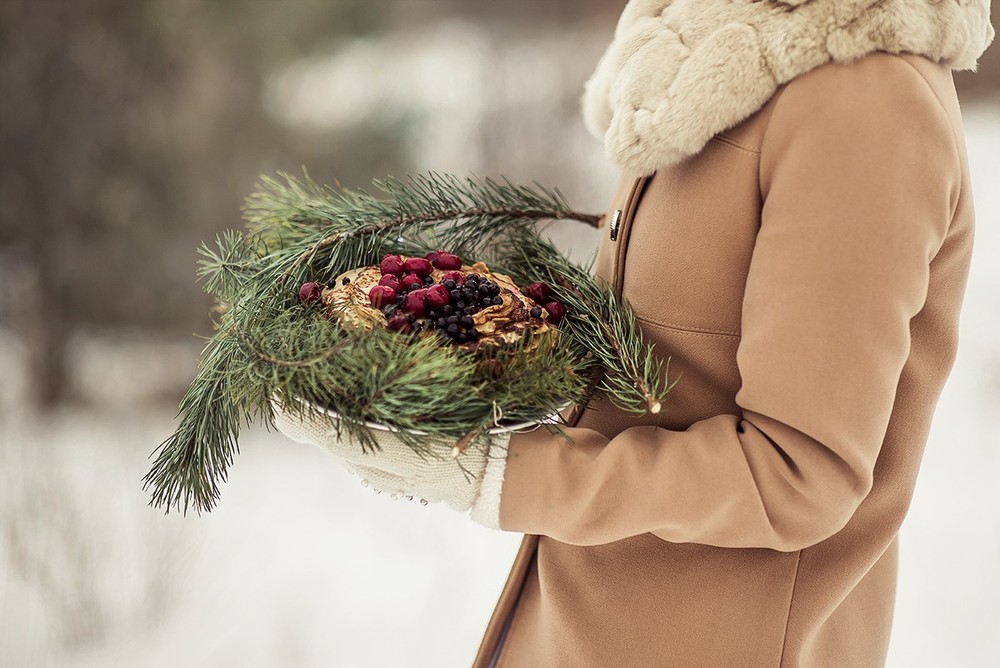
<point>860,176</point>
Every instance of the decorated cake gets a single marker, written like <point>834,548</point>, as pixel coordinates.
<point>467,306</point>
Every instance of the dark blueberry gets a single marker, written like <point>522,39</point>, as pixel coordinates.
<point>450,284</point>
<point>455,294</point>
<point>428,280</point>
<point>462,338</point>
<point>441,322</point>
<point>345,280</point>
<point>452,330</point>
<point>448,309</point>
<point>473,334</point>
<point>498,300</point>
<point>486,301</point>
<point>484,289</point>
<point>460,304</point>
<point>331,283</point>
<point>411,317</point>
<point>473,277</point>
<point>466,321</point>
<point>494,289</point>
<point>536,312</point>
<point>433,313</point>
<point>451,320</point>
<point>471,310</point>
<point>400,298</point>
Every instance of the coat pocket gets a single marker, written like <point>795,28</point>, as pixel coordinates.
<point>688,244</point>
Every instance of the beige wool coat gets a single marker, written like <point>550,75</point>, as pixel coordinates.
<point>793,231</point>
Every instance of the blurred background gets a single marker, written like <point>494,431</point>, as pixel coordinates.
<point>130,131</point>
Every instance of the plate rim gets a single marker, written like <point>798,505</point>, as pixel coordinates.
<point>550,418</point>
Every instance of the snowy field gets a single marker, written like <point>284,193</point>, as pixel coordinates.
<point>302,566</point>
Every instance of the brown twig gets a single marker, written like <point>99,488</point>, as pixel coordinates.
<point>463,443</point>
<point>652,403</point>
<point>593,220</point>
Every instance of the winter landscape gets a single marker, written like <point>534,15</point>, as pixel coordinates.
<point>302,566</point>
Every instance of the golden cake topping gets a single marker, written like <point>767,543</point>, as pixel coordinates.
<point>465,305</point>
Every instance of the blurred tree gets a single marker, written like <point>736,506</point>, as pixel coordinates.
<point>129,131</point>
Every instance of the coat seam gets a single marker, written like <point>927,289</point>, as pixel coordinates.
<point>513,618</point>
<point>629,212</point>
<point>693,331</point>
<point>954,138</point>
<point>775,101</point>
<point>506,603</point>
<point>788,616</point>
<point>736,144</point>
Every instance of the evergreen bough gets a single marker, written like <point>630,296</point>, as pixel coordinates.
<point>269,344</point>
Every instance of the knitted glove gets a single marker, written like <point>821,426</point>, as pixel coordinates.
<point>471,481</point>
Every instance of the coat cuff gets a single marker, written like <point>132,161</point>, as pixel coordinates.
<point>486,507</point>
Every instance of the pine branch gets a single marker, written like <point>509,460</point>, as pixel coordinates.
<point>634,377</point>
<point>227,271</point>
<point>192,463</point>
<point>268,346</point>
<point>501,213</point>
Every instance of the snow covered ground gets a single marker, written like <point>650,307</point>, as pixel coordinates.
<point>302,566</point>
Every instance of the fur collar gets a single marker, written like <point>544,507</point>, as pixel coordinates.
<point>679,72</point>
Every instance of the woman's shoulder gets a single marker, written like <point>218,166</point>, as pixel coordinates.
<point>875,76</point>
<point>898,94</point>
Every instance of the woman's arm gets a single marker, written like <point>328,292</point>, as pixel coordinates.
<point>860,176</point>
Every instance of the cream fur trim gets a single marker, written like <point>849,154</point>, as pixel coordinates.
<point>678,72</point>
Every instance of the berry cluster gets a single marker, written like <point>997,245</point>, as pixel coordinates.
<point>542,294</point>
<point>411,300</point>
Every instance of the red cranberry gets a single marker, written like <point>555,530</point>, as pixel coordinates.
<point>540,292</point>
<point>390,281</point>
<point>456,276</point>
<point>411,282</point>
<point>381,295</point>
<point>448,261</point>
<point>416,303</point>
<point>392,264</point>
<point>556,311</point>
<point>419,266</point>
<point>398,322</point>
<point>437,296</point>
<point>310,292</point>
<point>432,256</point>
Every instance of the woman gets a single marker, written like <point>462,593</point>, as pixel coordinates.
<point>794,230</point>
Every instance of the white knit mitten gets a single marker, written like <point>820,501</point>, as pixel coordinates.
<point>471,481</point>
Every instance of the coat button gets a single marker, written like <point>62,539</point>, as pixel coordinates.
<point>616,221</point>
